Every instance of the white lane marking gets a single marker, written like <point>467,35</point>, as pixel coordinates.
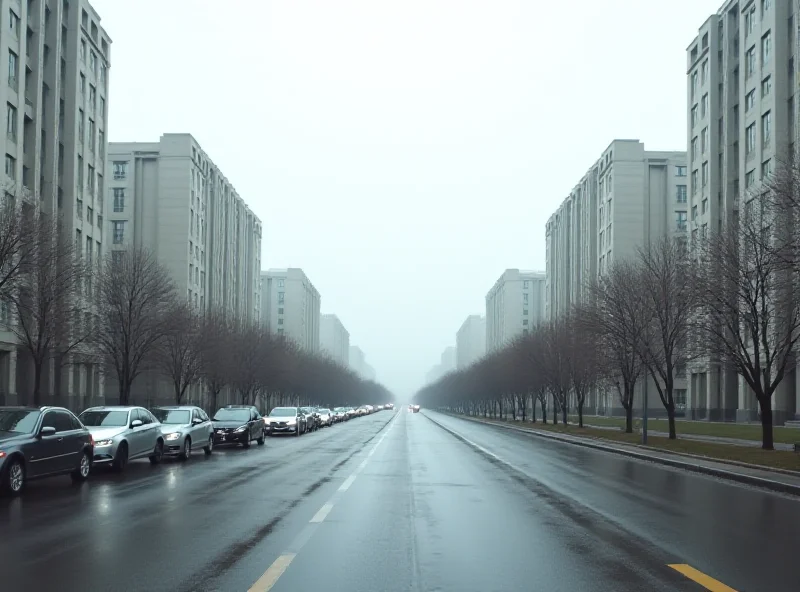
<point>347,483</point>
<point>363,464</point>
<point>322,513</point>
<point>274,571</point>
<point>483,450</point>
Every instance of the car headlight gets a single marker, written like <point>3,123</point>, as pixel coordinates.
<point>99,443</point>
<point>291,422</point>
<point>172,436</point>
<point>241,429</point>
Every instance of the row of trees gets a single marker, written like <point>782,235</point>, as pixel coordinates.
<point>720,298</point>
<point>123,312</point>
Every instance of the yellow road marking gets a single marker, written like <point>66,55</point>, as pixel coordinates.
<point>270,577</point>
<point>705,581</point>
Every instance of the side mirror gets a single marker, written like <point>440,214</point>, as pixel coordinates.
<point>136,423</point>
<point>47,431</point>
<point>197,421</point>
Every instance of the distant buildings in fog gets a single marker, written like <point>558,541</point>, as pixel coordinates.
<point>290,306</point>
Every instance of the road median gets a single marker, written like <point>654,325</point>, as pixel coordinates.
<point>774,470</point>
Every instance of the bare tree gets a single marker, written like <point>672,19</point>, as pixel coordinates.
<point>136,296</point>
<point>217,341</point>
<point>248,352</point>
<point>17,225</point>
<point>669,297</point>
<point>615,314</point>
<point>556,366</point>
<point>580,350</point>
<point>749,314</point>
<point>52,319</point>
<point>180,352</point>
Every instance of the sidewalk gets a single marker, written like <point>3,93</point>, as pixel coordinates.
<point>779,480</point>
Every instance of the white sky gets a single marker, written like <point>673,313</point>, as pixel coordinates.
<point>402,152</point>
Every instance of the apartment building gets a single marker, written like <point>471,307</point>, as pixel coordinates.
<point>334,339</point>
<point>514,305</point>
<point>56,95</point>
<point>628,197</point>
<point>290,306</point>
<point>169,197</point>
<point>470,341</point>
<point>359,365</point>
<point>741,118</point>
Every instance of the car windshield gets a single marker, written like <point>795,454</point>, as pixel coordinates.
<point>283,412</point>
<point>173,416</point>
<point>325,411</point>
<point>18,420</point>
<point>105,419</point>
<point>232,415</point>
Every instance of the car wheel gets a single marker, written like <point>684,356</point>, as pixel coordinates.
<point>261,440</point>
<point>186,453</point>
<point>84,468</point>
<point>121,458</point>
<point>158,453</point>
<point>297,430</point>
<point>209,448</point>
<point>14,479</point>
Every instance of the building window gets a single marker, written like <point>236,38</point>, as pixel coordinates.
<point>80,173</point>
<point>766,48</point>
<point>11,167</point>
<point>524,299</point>
<point>694,181</point>
<point>90,220</point>
<point>119,231</point>
<point>13,69</point>
<point>80,126</point>
<point>11,122</point>
<point>704,70</point>
<point>680,220</point>
<point>280,321</point>
<point>749,100</point>
<point>92,97</point>
<point>694,83</point>
<point>704,140</point>
<point>694,212</point>
<point>750,137</point>
<point>281,297</point>
<point>83,86</point>
<point>704,106</point>
<point>750,62</point>
<point>680,171</point>
<point>90,180</point>
<point>694,115</point>
<point>766,168</point>
<point>694,148</point>
<point>750,179</point>
<point>280,282</point>
<point>79,208</point>
<point>681,193</point>
<point>83,50</point>
<point>766,129</point>
<point>766,87</point>
<point>120,169</point>
<point>705,174</point>
<point>705,205</point>
<point>119,199</point>
<point>91,136</point>
<point>102,74</point>
<point>525,285</point>
<point>750,21</point>
<point>93,62</point>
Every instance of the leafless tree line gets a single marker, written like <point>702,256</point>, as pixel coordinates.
<point>124,313</point>
<point>724,297</point>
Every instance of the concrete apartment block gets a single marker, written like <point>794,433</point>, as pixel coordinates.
<point>334,339</point>
<point>169,197</point>
<point>57,60</point>
<point>470,341</point>
<point>290,306</point>
<point>514,305</point>
<point>447,363</point>
<point>741,106</point>
<point>628,197</point>
<point>359,365</point>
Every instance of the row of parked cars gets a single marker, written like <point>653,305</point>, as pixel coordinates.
<point>38,442</point>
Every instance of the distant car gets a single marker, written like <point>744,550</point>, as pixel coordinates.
<point>389,406</point>
<point>286,420</point>
<point>182,426</point>
<point>122,434</point>
<point>325,417</point>
<point>238,424</point>
<point>340,414</point>
<point>312,418</point>
<point>41,442</point>
<point>416,408</point>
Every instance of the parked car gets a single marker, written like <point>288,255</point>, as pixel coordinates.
<point>122,434</point>
<point>182,426</point>
<point>312,419</point>
<point>286,420</point>
<point>41,442</point>
<point>238,424</point>
<point>340,414</point>
<point>325,417</point>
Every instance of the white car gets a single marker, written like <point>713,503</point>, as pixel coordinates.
<point>183,427</point>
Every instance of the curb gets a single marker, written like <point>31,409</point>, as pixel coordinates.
<point>770,484</point>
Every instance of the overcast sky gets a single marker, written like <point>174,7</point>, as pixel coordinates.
<point>402,152</point>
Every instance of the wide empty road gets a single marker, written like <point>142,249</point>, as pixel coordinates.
<point>396,502</point>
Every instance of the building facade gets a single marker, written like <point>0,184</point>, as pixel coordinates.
<point>334,339</point>
<point>359,365</point>
<point>742,83</point>
<point>290,306</point>
<point>514,305</point>
<point>56,95</point>
<point>470,341</point>
<point>628,197</point>
<point>169,197</point>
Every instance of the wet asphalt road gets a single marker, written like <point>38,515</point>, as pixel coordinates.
<point>395,502</point>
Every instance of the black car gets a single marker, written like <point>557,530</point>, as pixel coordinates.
<point>42,442</point>
<point>238,424</point>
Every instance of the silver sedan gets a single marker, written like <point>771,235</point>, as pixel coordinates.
<point>122,434</point>
<point>184,426</point>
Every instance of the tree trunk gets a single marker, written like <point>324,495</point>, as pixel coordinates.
<point>580,402</point>
<point>37,383</point>
<point>629,419</point>
<point>767,441</point>
<point>533,409</point>
<point>671,417</point>
<point>178,392</point>
<point>564,411</point>
<point>543,403</point>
